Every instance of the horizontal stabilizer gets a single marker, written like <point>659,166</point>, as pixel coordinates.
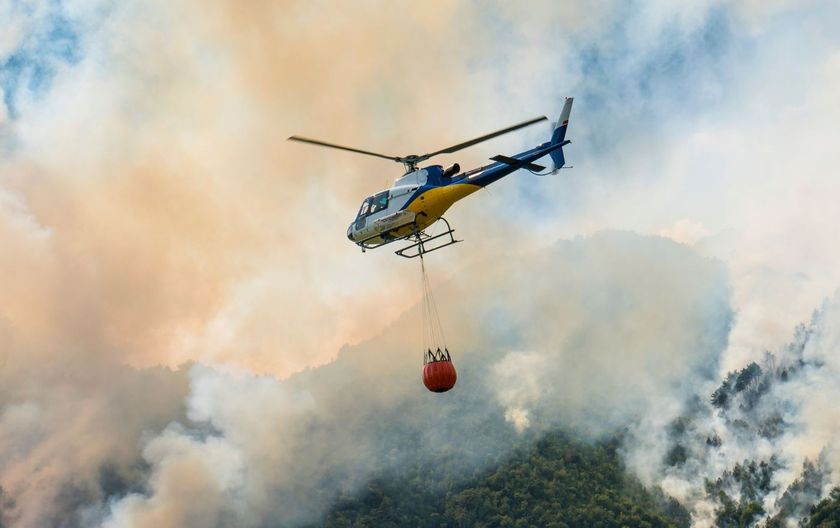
<point>518,163</point>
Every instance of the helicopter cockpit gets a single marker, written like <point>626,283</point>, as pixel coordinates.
<point>373,204</point>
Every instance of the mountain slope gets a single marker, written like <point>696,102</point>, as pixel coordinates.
<point>553,482</point>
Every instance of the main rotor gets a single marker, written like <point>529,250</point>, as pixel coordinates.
<point>410,161</point>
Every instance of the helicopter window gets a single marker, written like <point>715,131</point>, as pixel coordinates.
<point>363,211</point>
<point>379,202</point>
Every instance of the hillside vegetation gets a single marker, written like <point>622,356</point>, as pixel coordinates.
<point>556,482</point>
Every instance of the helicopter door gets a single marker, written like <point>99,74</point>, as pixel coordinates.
<point>379,202</point>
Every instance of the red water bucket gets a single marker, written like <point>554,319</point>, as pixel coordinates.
<point>439,376</point>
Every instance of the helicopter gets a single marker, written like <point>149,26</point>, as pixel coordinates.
<point>419,198</point>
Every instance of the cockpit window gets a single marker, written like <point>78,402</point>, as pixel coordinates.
<point>379,202</point>
<point>374,204</point>
<point>365,209</point>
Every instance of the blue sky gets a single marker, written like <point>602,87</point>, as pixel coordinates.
<point>52,40</point>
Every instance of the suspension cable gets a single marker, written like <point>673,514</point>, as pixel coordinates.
<point>434,340</point>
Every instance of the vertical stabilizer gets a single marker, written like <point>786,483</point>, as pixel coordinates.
<point>562,123</point>
<point>559,134</point>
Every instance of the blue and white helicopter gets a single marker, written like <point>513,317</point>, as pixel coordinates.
<point>419,197</point>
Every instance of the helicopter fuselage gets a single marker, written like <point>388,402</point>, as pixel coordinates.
<point>419,198</point>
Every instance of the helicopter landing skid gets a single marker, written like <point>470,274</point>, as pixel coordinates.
<point>421,239</point>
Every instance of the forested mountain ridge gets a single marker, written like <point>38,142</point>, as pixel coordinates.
<point>554,482</point>
<point>560,482</point>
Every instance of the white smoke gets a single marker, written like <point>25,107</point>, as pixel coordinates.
<point>778,413</point>
<point>521,380</point>
<point>147,216</point>
<point>283,450</point>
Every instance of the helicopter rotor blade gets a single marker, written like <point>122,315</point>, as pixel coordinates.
<point>465,144</point>
<point>351,149</point>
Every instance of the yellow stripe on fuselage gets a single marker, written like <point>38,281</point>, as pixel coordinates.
<point>431,205</point>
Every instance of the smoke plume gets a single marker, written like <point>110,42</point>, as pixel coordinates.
<point>187,338</point>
